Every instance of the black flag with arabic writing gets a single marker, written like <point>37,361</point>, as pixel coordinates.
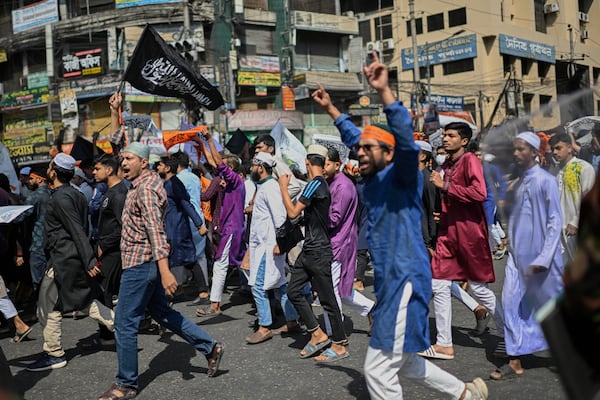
<point>158,69</point>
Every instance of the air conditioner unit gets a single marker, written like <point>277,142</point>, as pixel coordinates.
<point>584,17</point>
<point>372,46</point>
<point>387,44</point>
<point>585,34</point>
<point>359,15</point>
<point>550,8</point>
<point>349,14</point>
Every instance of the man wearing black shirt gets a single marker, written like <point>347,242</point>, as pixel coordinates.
<point>314,263</point>
<point>109,224</point>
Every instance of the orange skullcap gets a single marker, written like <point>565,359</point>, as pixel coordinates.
<point>380,133</point>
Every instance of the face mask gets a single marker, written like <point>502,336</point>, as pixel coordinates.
<point>440,159</point>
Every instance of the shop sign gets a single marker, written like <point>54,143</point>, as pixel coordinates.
<point>135,3</point>
<point>444,51</point>
<point>37,80</point>
<point>15,100</point>
<point>526,49</point>
<point>259,63</point>
<point>287,97</point>
<point>27,144</point>
<point>246,78</point>
<point>447,103</point>
<point>34,15</point>
<point>310,21</point>
<point>82,63</point>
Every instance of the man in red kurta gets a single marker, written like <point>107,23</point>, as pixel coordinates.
<point>462,250</point>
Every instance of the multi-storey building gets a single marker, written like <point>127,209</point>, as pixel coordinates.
<point>496,59</point>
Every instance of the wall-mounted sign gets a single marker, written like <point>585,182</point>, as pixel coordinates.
<point>309,21</point>
<point>526,49</point>
<point>134,3</point>
<point>246,78</point>
<point>37,80</point>
<point>15,100</point>
<point>82,63</point>
<point>452,49</point>
<point>35,15</point>
<point>259,63</point>
<point>447,103</point>
<point>287,98</point>
<point>3,56</point>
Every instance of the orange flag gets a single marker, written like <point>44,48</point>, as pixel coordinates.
<point>171,138</point>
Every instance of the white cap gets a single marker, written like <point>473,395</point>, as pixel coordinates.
<point>64,161</point>
<point>265,159</point>
<point>317,149</point>
<point>25,171</point>
<point>424,146</point>
<point>530,138</point>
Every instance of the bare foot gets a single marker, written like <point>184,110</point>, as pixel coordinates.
<point>449,351</point>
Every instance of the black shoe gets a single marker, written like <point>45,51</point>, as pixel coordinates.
<point>200,301</point>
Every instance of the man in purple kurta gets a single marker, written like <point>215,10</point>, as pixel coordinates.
<point>343,232</point>
<point>535,265</point>
<point>228,226</point>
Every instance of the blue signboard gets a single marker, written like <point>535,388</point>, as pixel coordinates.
<point>134,3</point>
<point>447,103</point>
<point>452,49</point>
<point>34,15</point>
<point>527,49</point>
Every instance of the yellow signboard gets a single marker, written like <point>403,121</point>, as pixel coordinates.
<point>247,78</point>
<point>3,56</point>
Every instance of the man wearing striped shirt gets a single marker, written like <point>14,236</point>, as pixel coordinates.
<point>146,280</point>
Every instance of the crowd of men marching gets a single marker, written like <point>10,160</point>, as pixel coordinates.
<point>116,239</point>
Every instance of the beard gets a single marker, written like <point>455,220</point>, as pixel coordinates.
<point>255,176</point>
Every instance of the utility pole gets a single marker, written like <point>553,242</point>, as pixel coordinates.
<point>417,73</point>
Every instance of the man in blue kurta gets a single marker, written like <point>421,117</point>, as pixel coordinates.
<point>392,193</point>
<point>534,267</point>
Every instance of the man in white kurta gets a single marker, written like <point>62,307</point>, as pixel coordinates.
<point>575,178</point>
<point>267,265</point>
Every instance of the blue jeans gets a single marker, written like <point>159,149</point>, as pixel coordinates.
<point>263,307</point>
<point>141,289</point>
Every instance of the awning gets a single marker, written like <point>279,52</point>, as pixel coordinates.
<point>347,81</point>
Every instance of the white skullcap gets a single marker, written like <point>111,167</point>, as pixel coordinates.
<point>530,138</point>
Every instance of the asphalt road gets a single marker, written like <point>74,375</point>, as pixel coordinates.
<point>171,369</point>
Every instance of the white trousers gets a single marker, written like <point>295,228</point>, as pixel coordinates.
<point>383,369</point>
<point>220,268</point>
<point>442,290</point>
<point>7,308</point>
<point>356,301</point>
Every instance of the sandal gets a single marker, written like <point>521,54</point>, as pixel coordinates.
<point>215,359</point>
<point>332,356</point>
<point>500,350</point>
<point>505,372</point>
<point>312,349</point>
<point>118,392</point>
<point>259,337</point>
<point>207,312</point>
<point>482,318</point>
<point>20,336</point>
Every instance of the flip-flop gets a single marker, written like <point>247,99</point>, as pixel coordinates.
<point>20,336</point>
<point>312,349</point>
<point>431,353</point>
<point>207,312</point>
<point>505,372</point>
<point>332,356</point>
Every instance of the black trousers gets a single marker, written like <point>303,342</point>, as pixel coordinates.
<point>362,260</point>
<point>315,266</point>
<point>110,283</point>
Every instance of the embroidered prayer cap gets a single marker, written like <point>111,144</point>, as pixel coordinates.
<point>317,149</point>
<point>379,132</point>
<point>265,159</point>
<point>64,161</point>
<point>25,171</point>
<point>424,146</point>
<point>139,149</point>
<point>530,138</point>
